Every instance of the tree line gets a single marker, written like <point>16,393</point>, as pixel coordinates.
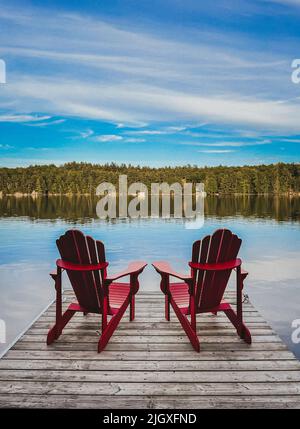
<point>83,178</point>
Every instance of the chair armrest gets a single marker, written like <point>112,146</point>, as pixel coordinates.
<point>164,268</point>
<point>53,274</point>
<point>244,273</point>
<point>134,268</point>
<point>220,266</point>
<point>80,267</point>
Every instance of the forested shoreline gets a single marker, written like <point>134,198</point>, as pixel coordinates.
<point>83,178</point>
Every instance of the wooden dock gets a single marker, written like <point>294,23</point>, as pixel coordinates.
<point>149,363</point>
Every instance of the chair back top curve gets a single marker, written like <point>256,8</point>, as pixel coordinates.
<point>77,248</point>
<point>221,246</point>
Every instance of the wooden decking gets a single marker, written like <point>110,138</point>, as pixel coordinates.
<point>150,364</point>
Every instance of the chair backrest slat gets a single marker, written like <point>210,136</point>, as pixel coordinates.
<point>222,246</point>
<point>74,247</point>
<point>98,280</point>
<point>200,251</point>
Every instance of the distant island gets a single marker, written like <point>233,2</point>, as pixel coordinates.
<point>83,178</point>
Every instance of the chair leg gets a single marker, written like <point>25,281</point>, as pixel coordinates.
<point>193,314</point>
<point>104,314</point>
<point>111,327</point>
<point>245,334</point>
<point>167,307</point>
<point>132,308</point>
<point>56,330</point>
<point>193,322</point>
<point>104,320</point>
<point>187,327</point>
<point>241,328</point>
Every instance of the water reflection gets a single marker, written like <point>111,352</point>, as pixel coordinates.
<point>78,208</point>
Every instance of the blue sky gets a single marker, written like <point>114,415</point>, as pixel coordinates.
<point>150,82</point>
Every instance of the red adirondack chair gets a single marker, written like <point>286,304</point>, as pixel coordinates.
<point>83,258</point>
<point>213,260</point>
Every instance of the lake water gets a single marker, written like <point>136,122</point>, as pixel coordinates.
<point>269,228</point>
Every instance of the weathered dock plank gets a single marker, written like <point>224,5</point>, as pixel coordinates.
<point>149,363</point>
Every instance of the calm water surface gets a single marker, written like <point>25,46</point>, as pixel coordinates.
<point>269,228</point>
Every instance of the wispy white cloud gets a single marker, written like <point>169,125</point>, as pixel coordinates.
<point>229,143</point>
<point>140,102</point>
<point>216,151</point>
<point>42,149</point>
<point>6,146</point>
<point>131,125</point>
<point>168,130</point>
<point>151,132</point>
<point>176,129</point>
<point>134,140</point>
<point>108,138</point>
<point>185,128</point>
<point>86,134</point>
<point>22,118</point>
<point>289,140</point>
<point>46,124</point>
